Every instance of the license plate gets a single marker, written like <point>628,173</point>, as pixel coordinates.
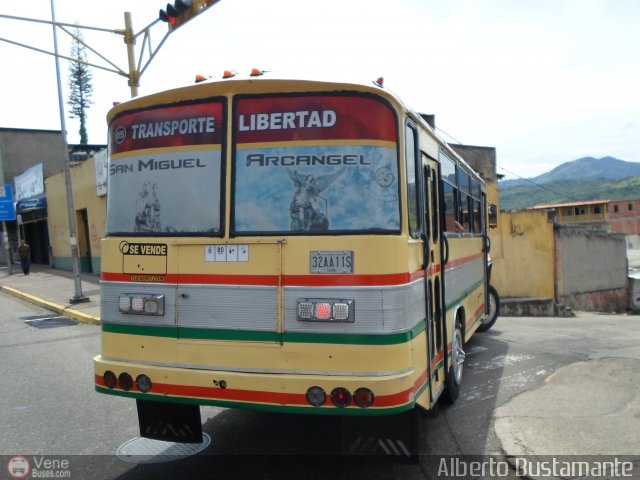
<point>331,262</point>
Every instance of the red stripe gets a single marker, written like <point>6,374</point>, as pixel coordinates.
<point>461,261</point>
<point>320,280</point>
<point>253,396</point>
<point>475,315</point>
<point>349,280</point>
<point>433,269</point>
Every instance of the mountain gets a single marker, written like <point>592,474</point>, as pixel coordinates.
<point>581,180</point>
<point>583,169</point>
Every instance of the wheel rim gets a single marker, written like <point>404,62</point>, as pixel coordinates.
<point>458,356</point>
<point>492,310</point>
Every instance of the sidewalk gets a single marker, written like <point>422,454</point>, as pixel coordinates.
<point>52,289</point>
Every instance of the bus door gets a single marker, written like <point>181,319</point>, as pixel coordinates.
<point>433,273</point>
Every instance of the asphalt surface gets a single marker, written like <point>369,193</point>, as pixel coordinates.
<point>589,407</point>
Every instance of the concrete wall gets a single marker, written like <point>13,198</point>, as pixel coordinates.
<point>591,269</point>
<point>83,181</point>
<point>522,251</point>
<point>22,149</point>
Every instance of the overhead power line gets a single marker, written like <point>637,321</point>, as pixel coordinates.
<point>528,180</point>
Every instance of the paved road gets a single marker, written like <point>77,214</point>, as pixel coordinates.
<point>49,407</point>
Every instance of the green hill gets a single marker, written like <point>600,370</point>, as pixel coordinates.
<point>528,195</point>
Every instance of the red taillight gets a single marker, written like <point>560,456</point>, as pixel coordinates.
<point>340,397</point>
<point>323,311</point>
<point>125,381</point>
<point>110,379</point>
<point>363,397</point>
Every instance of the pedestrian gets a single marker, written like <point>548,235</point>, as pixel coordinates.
<point>25,256</point>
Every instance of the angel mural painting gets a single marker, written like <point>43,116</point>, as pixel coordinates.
<point>305,208</point>
<point>148,215</point>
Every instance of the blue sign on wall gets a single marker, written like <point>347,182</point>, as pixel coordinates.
<point>7,208</point>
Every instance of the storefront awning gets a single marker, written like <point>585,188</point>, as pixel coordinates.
<point>30,204</point>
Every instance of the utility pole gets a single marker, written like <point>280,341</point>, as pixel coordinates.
<point>78,296</point>
<point>182,12</point>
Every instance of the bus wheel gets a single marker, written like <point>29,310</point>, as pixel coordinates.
<point>454,375</point>
<point>494,310</point>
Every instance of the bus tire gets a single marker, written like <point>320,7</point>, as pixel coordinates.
<point>453,378</point>
<point>494,310</point>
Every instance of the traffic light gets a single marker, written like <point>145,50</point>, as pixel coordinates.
<point>182,11</point>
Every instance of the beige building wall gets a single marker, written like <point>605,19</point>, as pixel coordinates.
<point>90,214</point>
<point>522,251</point>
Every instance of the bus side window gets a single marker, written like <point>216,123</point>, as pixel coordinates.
<point>413,192</point>
<point>451,223</point>
<point>450,195</point>
<point>464,201</point>
<point>426,185</point>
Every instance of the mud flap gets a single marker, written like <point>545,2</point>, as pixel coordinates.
<point>170,422</point>
<point>390,435</point>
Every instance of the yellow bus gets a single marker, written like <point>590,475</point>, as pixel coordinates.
<point>286,245</point>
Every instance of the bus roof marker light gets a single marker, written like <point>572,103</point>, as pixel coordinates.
<point>228,74</point>
<point>256,72</point>
<point>379,82</point>
<point>202,78</point>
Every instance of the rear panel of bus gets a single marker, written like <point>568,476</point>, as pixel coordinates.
<point>257,253</point>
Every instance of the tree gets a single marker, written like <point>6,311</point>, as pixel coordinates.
<point>80,78</point>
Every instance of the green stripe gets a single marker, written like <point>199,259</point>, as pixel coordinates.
<point>430,379</point>
<point>355,339</point>
<point>261,407</point>
<point>259,336</point>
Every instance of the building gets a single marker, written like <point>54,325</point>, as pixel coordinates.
<point>615,216</point>
<point>27,158</point>
<point>88,181</point>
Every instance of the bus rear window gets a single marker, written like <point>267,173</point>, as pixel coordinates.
<point>165,171</point>
<point>315,164</point>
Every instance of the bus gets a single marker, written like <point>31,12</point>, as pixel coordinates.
<point>287,245</point>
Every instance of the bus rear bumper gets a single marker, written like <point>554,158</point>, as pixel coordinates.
<point>276,392</point>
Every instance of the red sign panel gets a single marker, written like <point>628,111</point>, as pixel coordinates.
<point>320,117</point>
<point>169,126</point>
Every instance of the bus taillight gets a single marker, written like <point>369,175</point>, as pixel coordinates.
<point>143,383</point>
<point>110,379</point>
<point>341,397</point>
<point>363,397</point>
<point>316,396</point>
<point>125,381</point>
<point>326,310</point>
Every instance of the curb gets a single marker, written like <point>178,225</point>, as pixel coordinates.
<point>68,312</point>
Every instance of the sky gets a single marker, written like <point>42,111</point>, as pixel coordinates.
<point>543,82</point>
